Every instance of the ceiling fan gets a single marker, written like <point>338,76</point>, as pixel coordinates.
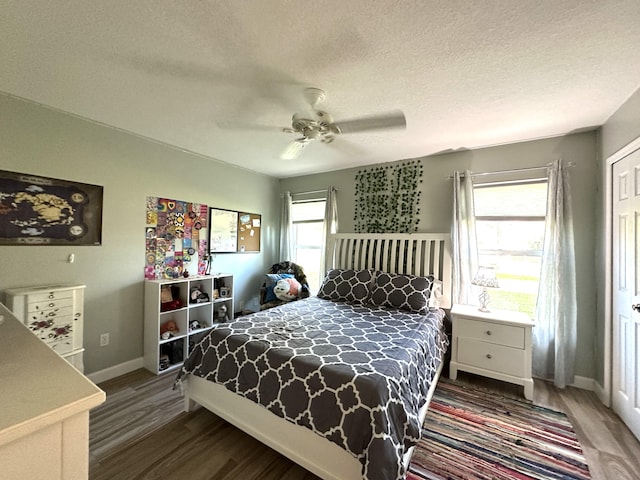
<point>318,125</point>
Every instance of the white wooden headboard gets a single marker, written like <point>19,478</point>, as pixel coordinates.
<point>412,253</point>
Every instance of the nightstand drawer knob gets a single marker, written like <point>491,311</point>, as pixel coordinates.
<point>489,356</point>
<point>636,307</point>
<point>488,332</point>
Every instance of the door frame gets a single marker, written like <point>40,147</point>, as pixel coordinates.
<point>605,393</point>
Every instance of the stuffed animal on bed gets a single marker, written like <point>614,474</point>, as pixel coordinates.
<point>287,289</point>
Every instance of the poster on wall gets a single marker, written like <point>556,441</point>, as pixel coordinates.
<point>176,238</point>
<point>37,210</point>
<point>223,236</point>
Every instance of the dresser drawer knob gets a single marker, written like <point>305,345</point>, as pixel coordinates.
<point>489,356</point>
<point>51,304</point>
<point>488,332</point>
<point>51,295</point>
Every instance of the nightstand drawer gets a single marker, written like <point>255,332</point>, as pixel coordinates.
<point>489,356</point>
<point>508,335</point>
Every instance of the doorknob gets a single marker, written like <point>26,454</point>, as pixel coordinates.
<point>636,307</point>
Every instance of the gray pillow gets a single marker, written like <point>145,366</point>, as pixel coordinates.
<point>353,286</point>
<point>405,292</point>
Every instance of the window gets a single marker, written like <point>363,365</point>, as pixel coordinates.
<point>510,220</point>
<point>308,220</point>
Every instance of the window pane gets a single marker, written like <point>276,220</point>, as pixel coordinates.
<point>512,246</point>
<point>523,200</point>
<point>309,260</point>
<point>308,234</point>
<point>308,237</point>
<point>518,277</point>
<point>307,211</point>
<point>522,236</point>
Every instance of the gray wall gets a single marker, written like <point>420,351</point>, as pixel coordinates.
<point>622,127</point>
<point>45,142</point>
<point>436,205</point>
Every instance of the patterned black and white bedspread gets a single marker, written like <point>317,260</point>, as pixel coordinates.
<point>356,375</point>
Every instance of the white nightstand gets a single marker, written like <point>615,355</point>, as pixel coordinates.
<point>494,344</point>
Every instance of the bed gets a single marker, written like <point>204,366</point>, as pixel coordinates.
<point>339,383</point>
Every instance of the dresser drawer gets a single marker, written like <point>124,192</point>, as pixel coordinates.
<point>61,345</point>
<point>48,315</point>
<point>489,356</point>
<point>33,306</point>
<point>45,295</point>
<point>507,335</point>
<point>46,327</point>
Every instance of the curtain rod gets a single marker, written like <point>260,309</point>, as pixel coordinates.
<point>513,170</point>
<point>310,192</point>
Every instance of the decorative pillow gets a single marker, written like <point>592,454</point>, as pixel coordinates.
<point>436,295</point>
<point>270,280</point>
<point>287,289</point>
<point>351,286</point>
<point>405,292</point>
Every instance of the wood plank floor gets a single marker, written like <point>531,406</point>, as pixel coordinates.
<point>141,432</point>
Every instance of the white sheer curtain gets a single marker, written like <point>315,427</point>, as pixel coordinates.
<point>286,229</point>
<point>554,335</point>
<point>330,222</point>
<point>463,238</point>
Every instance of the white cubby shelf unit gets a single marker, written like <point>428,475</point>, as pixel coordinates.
<point>176,317</point>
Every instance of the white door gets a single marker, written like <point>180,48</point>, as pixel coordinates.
<point>626,290</point>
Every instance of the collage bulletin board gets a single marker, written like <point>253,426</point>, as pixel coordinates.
<point>176,238</point>
<point>249,225</point>
<point>234,232</point>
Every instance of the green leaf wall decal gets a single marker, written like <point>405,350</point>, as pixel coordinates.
<point>387,198</point>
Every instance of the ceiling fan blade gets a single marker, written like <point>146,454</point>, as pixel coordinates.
<point>233,125</point>
<point>394,119</point>
<point>293,149</point>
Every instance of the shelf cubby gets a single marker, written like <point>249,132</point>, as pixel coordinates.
<point>183,301</point>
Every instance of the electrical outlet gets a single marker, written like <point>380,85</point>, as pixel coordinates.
<point>104,339</point>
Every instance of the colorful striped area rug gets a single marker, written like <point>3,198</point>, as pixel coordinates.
<point>470,433</point>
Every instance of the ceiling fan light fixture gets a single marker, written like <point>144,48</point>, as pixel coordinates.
<point>311,133</point>
<point>314,124</point>
<point>293,149</point>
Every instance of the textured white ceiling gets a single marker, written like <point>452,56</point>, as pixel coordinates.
<point>467,74</point>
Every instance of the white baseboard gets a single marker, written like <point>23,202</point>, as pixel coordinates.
<point>602,394</point>
<point>592,385</point>
<point>585,383</point>
<point>116,370</point>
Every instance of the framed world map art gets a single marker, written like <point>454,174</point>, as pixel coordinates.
<point>38,210</point>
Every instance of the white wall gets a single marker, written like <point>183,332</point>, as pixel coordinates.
<point>437,194</point>
<point>44,142</point>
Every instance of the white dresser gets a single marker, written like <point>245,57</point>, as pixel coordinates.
<point>496,344</point>
<point>55,314</point>
<point>44,419</point>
